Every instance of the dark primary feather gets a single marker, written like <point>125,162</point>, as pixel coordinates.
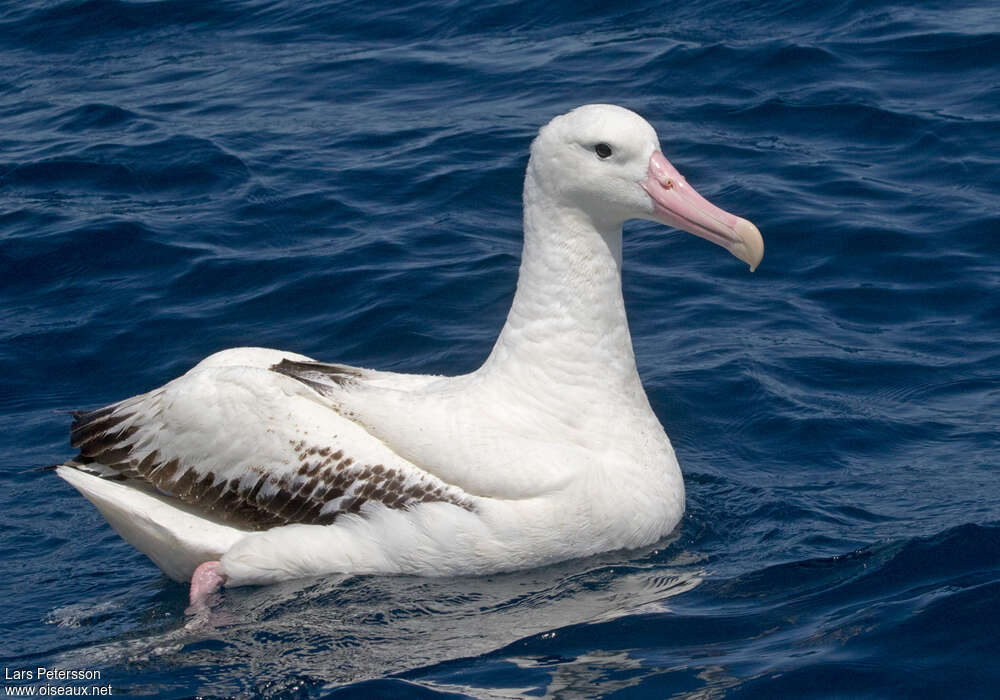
<point>325,484</point>
<point>319,376</point>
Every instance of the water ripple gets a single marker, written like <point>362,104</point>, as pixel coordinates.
<point>343,180</point>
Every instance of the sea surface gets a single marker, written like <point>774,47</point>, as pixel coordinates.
<point>343,179</point>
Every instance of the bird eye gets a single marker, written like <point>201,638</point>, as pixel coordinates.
<point>602,150</point>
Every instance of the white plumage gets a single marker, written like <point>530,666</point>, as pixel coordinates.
<point>279,467</point>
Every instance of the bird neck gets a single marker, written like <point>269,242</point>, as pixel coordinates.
<point>567,323</point>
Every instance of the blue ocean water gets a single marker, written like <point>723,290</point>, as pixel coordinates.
<point>343,180</point>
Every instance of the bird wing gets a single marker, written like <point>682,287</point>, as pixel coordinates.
<point>252,448</point>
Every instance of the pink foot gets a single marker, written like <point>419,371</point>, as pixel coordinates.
<point>205,581</point>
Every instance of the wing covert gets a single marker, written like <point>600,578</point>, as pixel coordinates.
<point>252,448</point>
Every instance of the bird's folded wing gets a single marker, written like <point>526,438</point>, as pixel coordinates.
<point>253,448</point>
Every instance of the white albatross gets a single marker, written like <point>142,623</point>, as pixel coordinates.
<point>259,465</point>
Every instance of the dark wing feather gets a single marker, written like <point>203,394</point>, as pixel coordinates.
<point>311,483</point>
<point>319,376</point>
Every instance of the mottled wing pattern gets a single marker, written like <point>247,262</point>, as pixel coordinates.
<point>293,478</point>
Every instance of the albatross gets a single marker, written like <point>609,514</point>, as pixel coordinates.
<point>260,465</point>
